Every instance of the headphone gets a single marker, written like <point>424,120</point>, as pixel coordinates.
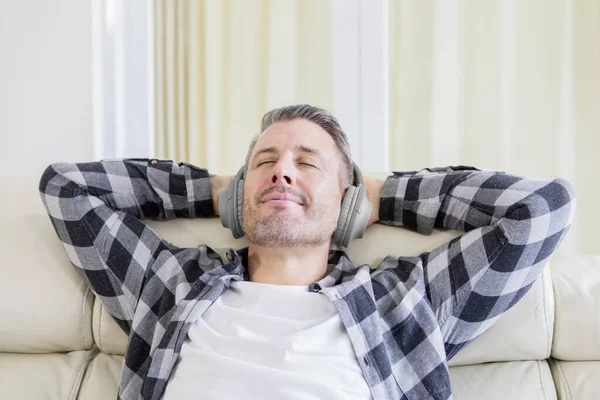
<point>352,223</point>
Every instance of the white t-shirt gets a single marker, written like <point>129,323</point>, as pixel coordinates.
<point>261,341</point>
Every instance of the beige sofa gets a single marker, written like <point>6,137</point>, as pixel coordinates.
<point>57,341</point>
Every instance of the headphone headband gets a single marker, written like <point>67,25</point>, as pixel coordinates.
<point>358,177</point>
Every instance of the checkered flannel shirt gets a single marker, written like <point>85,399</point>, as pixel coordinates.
<point>405,319</point>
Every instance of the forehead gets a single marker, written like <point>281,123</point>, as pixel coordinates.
<point>292,135</point>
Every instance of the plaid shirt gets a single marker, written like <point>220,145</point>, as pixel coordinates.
<point>405,319</point>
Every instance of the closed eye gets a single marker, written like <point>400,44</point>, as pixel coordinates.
<point>272,162</point>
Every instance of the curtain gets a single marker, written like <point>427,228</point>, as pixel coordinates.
<point>502,85</point>
<point>221,64</point>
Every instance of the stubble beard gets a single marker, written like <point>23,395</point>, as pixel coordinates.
<point>280,229</point>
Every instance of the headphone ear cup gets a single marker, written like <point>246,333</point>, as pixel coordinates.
<point>345,211</point>
<point>360,214</point>
<point>231,204</point>
<point>239,208</point>
<point>354,213</point>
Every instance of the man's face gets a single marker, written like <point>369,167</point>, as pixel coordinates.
<point>292,192</point>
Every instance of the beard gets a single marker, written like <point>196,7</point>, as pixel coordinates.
<point>280,229</point>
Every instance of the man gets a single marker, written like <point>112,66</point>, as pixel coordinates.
<point>287,317</point>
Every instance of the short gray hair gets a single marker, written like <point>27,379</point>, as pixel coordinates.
<point>319,116</point>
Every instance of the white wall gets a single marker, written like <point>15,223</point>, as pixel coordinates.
<point>45,84</point>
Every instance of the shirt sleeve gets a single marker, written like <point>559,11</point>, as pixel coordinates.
<point>512,224</point>
<point>96,209</point>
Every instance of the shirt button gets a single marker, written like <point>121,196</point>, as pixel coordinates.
<point>153,162</point>
<point>448,169</point>
<point>314,287</point>
<point>229,256</point>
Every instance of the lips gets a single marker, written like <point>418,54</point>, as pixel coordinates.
<point>281,198</point>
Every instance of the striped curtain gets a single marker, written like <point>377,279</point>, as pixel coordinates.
<point>221,64</point>
<point>503,85</point>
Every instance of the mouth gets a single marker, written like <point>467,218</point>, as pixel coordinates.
<point>281,203</point>
<point>281,199</point>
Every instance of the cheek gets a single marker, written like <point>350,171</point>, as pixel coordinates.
<point>249,192</point>
<point>327,193</point>
<point>252,186</point>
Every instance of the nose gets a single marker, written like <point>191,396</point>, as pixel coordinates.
<point>284,174</point>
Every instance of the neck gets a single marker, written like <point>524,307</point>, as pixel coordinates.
<point>287,266</point>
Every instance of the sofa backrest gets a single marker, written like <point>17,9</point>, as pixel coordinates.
<point>577,307</point>
<point>47,308</point>
<point>44,305</point>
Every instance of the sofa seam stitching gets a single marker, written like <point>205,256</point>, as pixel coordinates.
<point>81,370</point>
<point>555,331</point>
<point>564,379</point>
<point>83,313</point>
<point>548,328</point>
<point>541,379</point>
<point>100,328</point>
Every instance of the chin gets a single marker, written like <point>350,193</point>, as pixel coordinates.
<point>276,232</point>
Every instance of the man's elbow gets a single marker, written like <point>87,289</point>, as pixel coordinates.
<point>560,201</point>
<point>47,176</point>
<point>547,213</point>
<point>58,177</point>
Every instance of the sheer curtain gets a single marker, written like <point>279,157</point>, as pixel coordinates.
<point>221,64</point>
<point>503,85</point>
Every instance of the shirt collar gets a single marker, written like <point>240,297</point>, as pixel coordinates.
<point>339,266</point>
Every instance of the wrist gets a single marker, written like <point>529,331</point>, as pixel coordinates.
<point>374,192</point>
<point>214,187</point>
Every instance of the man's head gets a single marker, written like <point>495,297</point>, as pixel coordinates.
<point>296,172</point>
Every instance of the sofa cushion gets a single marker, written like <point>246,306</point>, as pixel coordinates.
<point>577,320</point>
<point>109,337</point>
<point>43,376</point>
<point>526,380</point>
<point>102,377</point>
<point>576,380</point>
<point>46,305</point>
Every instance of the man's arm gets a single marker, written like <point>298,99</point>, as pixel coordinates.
<point>96,209</point>
<point>513,225</point>
<point>374,192</point>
